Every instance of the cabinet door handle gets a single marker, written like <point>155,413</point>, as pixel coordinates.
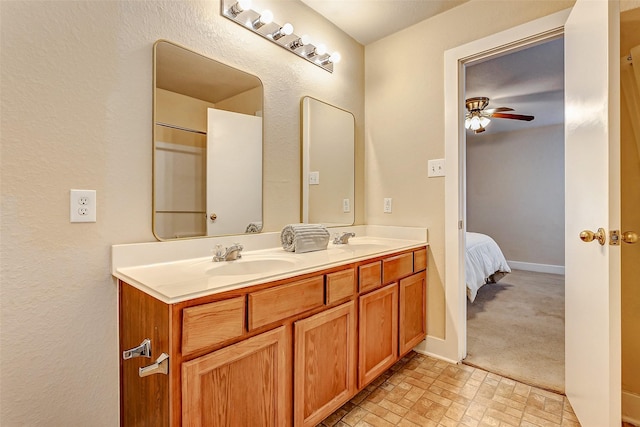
<point>143,350</point>
<point>160,367</point>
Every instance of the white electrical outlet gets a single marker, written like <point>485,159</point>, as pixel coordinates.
<point>82,206</point>
<point>387,205</point>
<point>436,168</point>
<point>346,205</point>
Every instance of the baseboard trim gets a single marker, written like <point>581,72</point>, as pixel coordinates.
<point>434,347</point>
<point>631,407</point>
<point>539,268</point>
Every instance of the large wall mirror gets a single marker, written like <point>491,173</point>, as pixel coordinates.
<point>207,146</point>
<point>328,163</point>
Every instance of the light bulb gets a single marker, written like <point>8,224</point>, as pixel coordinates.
<point>484,121</point>
<point>335,57</point>
<point>285,30</point>
<point>266,17</point>
<point>321,49</point>
<point>475,123</point>
<point>302,40</point>
<point>240,6</point>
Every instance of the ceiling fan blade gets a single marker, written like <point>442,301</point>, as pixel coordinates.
<point>498,110</point>
<point>512,116</point>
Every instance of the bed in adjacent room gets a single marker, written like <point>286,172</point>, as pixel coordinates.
<point>484,262</point>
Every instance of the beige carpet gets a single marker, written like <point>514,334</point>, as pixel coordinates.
<point>515,328</point>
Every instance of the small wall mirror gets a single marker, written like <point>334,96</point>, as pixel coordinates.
<point>328,164</point>
<point>207,146</point>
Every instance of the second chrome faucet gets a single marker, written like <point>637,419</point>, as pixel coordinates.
<point>342,239</point>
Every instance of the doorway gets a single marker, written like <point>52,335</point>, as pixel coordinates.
<point>514,194</point>
<point>592,311</point>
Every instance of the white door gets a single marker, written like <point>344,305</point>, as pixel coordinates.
<point>234,172</point>
<point>592,167</point>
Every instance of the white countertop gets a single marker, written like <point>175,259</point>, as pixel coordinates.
<point>150,267</point>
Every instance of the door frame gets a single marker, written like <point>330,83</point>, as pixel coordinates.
<point>454,345</point>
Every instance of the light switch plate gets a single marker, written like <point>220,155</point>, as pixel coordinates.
<point>314,178</point>
<point>346,205</point>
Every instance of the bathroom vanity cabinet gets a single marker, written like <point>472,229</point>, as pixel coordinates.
<point>288,352</point>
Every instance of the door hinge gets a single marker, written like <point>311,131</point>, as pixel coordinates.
<point>460,225</point>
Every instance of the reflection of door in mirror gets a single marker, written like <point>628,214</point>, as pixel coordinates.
<point>234,173</point>
<point>187,85</point>
<point>328,150</point>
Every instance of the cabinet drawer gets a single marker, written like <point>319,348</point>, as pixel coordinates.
<point>397,267</point>
<point>370,276</point>
<point>420,260</point>
<point>208,324</point>
<point>340,285</point>
<point>271,305</point>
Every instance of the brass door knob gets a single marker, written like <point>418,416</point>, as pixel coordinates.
<point>630,237</point>
<point>213,216</point>
<point>589,236</point>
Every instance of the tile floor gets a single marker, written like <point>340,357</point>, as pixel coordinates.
<point>422,391</point>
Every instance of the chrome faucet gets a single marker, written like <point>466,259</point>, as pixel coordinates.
<point>229,254</point>
<point>342,239</point>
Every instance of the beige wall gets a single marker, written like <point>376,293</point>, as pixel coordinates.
<point>76,84</point>
<point>630,188</point>
<point>405,122</point>
<point>515,192</point>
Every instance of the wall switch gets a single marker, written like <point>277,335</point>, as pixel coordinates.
<point>314,178</point>
<point>387,205</point>
<point>436,168</point>
<point>82,206</point>
<point>346,205</point>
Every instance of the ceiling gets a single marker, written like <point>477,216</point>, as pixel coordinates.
<point>378,18</point>
<point>531,81</point>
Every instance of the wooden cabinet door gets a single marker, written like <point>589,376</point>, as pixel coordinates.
<point>325,363</point>
<point>413,310</point>
<point>144,402</point>
<point>378,333</point>
<point>244,384</point>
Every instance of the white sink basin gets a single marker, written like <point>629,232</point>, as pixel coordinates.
<point>249,266</point>
<point>363,245</point>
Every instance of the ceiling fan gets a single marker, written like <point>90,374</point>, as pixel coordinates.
<point>477,118</point>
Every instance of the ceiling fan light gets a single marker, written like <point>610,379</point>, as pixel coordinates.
<point>467,123</point>
<point>484,121</point>
<point>474,123</point>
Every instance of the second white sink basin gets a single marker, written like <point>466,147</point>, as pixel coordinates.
<point>249,266</point>
<point>363,245</point>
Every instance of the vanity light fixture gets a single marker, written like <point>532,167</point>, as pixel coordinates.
<point>261,23</point>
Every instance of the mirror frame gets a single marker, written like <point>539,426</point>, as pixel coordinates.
<point>154,135</point>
